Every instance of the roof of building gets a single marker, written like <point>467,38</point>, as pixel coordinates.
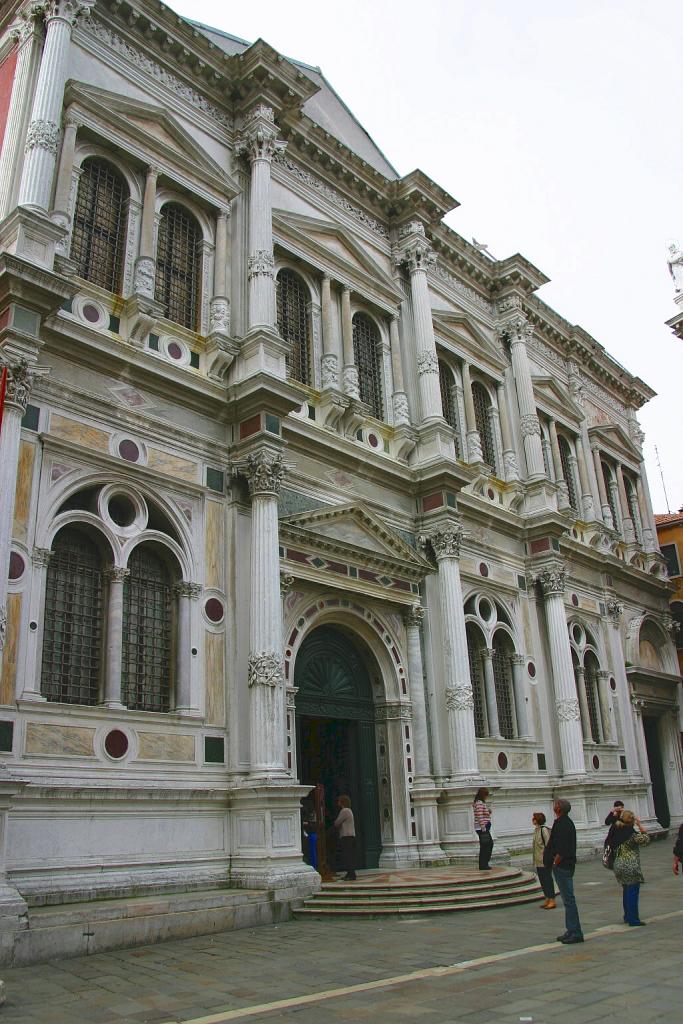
<point>669,518</point>
<point>326,108</point>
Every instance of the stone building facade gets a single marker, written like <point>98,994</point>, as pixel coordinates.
<point>296,484</point>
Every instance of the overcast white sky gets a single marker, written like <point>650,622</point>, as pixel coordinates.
<point>556,126</point>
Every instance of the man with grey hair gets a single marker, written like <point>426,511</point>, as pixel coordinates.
<point>560,855</point>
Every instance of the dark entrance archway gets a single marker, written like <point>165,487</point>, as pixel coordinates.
<point>336,731</point>
<point>651,728</point>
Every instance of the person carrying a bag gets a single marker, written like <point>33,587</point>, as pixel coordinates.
<point>482,826</point>
<point>538,844</point>
<point>626,844</point>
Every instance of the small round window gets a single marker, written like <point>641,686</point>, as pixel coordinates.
<point>121,510</point>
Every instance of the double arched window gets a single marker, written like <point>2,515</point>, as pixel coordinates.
<point>98,236</point>
<point>293,323</point>
<point>490,651</point>
<point>482,417</point>
<point>589,680</point>
<point>368,359</point>
<point>178,265</point>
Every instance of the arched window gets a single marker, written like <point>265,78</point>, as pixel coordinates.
<point>590,676</point>
<point>502,674</point>
<point>147,632</point>
<point>450,414</point>
<point>568,471</point>
<point>178,276</point>
<point>97,241</point>
<point>292,322</point>
<point>72,636</point>
<point>475,645</point>
<point>367,357</point>
<point>482,416</point>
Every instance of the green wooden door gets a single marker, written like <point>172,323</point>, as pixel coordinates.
<point>335,715</point>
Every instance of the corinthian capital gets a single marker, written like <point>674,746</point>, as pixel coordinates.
<point>264,471</point>
<point>447,540</point>
<point>552,580</point>
<point>67,10</point>
<point>414,616</point>
<point>20,378</point>
<point>259,138</point>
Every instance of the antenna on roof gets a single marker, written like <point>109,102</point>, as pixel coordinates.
<point>661,473</point>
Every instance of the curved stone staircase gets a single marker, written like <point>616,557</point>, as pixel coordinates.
<point>427,891</point>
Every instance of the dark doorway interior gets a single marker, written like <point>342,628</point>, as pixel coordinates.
<point>654,759</point>
<point>336,732</point>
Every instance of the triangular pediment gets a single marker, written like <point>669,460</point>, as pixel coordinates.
<point>467,335</point>
<point>333,247</point>
<point>554,396</point>
<point>613,438</point>
<point>124,120</point>
<point>354,530</point>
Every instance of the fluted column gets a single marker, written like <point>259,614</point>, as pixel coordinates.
<point>399,398</point>
<point>264,471</point>
<point>27,686</point>
<point>350,370</point>
<point>413,621</point>
<point>627,525</point>
<point>116,577</point>
<point>185,593</point>
<point>580,676</point>
<point>43,130</point>
<point>510,468</point>
<point>259,142</point>
<point>606,706</point>
<point>417,255</point>
<point>562,487</point>
<point>19,382</point>
<point>474,451</point>
<point>144,277</point>
<point>519,333</point>
<point>60,208</point>
<point>602,490</point>
<point>446,542</point>
<point>219,309</point>
<point>587,506</point>
<point>330,367</point>
<point>518,662</point>
<point>490,689</point>
<point>28,32</point>
<point>645,506</point>
<point>552,581</point>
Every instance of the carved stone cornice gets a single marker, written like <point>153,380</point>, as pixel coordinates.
<point>265,669</point>
<point>552,580</point>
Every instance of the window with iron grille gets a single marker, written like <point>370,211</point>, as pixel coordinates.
<point>97,241</point>
<point>482,417</point>
<point>475,644</point>
<point>590,678</point>
<point>450,412</point>
<point>368,360</point>
<point>568,471</point>
<point>502,674</point>
<point>147,632</point>
<point>72,635</point>
<point>292,322</point>
<point>178,277</point>
<point>607,477</point>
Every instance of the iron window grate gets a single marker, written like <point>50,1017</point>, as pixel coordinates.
<point>366,354</point>
<point>178,263</point>
<point>482,416</point>
<point>292,322</point>
<point>502,674</point>
<point>474,648</point>
<point>591,683</point>
<point>147,633</point>
<point>446,385</point>
<point>72,637</point>
<point>97,243</point>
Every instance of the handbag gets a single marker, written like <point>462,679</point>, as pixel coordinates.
<point>608,857</point>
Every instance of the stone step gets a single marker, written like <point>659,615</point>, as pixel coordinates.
<point>311,909</point>
<point>423,898</point>
<point>358,888</point>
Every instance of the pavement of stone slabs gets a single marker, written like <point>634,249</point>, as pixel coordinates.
<point>499,966</point>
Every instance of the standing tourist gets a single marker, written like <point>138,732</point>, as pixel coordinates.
<point>560,855</point>
<point>626,841</point>
<point>678,850</point>
<point>538,845</point>
<point>615,813</point>
<point>482,826</point>
<point>346,831</point>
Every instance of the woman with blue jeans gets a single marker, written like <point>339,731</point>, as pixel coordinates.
<point>625,842</point>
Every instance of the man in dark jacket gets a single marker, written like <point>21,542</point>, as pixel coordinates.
<point>560,855</point>
<point>678,850</point>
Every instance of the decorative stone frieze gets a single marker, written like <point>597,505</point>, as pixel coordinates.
<point>350,381</point>
<point>393,710</point>
<point>568,710</point>
<point>261,262</point>
<point>427,362</point>
<point>329,373</point>
<point>459,698</point>
<point>265,669</point>
<point>219,316</point>
<point>529,425</point>
<point>43,135</point>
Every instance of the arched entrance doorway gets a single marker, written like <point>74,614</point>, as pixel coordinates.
<point>336,731</point>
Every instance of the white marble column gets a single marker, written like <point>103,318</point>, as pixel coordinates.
<point>219,309</point>
<point>562,486</point>
<point>330,366</point>
<point>552,581</point>
<point>144,278</point>
<point>399,398</point>
<point>28,680</point>
<point>185,593</point>
<point>617,660</point>
<point>19,383</point>
<point>417,255</point>
<point>28,31</point>
<point>43,131</point>
<point>645,506</point>
<point>350,371</point>
<point>518,663</point>
<point>474,451</point>
<point>259,141</point>
<point>510,468</point>
<point>602,489</point>
<point>627,526</point>
<point>116,577</point>
<point>587,503</point>
<point>580,677</point>
<point>264,471</point>
<point>606,709</point>
<point>519,333</point>
<point>490,690</point>
<point>446,541</point>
